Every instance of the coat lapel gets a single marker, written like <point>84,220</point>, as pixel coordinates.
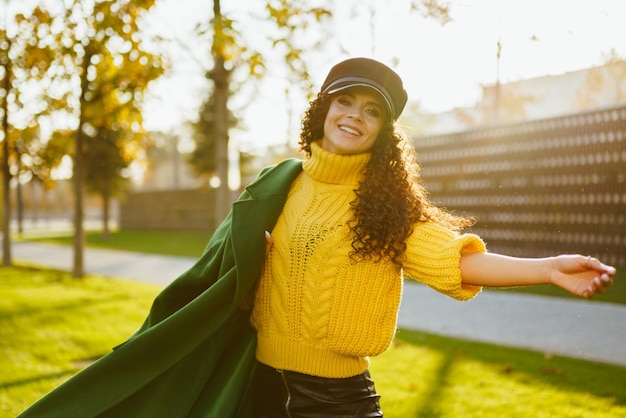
<point>257,212</point>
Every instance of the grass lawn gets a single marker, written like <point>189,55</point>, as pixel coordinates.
<point>187,244</point>
<point>424,375</point>
<point>52,325</point>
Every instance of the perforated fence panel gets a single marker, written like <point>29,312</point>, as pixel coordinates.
<point>537,188</point>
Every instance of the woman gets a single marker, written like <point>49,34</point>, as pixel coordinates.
<point>347,224</point>
<point>355,220</point>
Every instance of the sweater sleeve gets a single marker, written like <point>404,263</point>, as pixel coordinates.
<point>433,258</point>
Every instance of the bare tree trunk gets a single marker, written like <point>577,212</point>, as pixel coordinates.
<point>220,76</point>
<point>106,205</point>
<point>20,206</point>
<point>34,185</point>
<point>18,186</point>
<point>6,172</point>
<point>79,233</point>
<point>79,160</point>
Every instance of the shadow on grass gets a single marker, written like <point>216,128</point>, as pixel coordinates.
<point>64,309</point>
<point>433,396</point>
<point>36,379</point>
<point>574,375</point>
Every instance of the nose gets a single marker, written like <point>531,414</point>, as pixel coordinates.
<point>356,113</point>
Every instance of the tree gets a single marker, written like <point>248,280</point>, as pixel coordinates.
<point>45,156</point>
<point>103,69</point>
<point>201,158</point>
<point>220,76</point>
<point>292,19</point>
<point>25,146</point>
<point>229,53</point>
<point>24,63</point>
<point>104,172</point>
<point>5,46</point>
<point>116,134</point>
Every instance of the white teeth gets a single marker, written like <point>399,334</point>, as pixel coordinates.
<point>350,130</point>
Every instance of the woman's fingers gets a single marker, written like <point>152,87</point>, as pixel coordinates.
<point>269,240</point>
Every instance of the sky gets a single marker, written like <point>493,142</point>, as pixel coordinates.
<point>443,66</point>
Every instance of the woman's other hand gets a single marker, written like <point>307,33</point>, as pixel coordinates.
<point>269,241</point>
<point>582,276</point>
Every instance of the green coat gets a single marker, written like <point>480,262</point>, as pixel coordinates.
<point>195,353</point>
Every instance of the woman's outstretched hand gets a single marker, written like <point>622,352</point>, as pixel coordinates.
<point>582,276</point>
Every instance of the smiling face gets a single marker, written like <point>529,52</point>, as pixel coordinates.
<point>354,120</point>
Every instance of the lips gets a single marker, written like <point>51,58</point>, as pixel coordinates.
<point>350,130</point>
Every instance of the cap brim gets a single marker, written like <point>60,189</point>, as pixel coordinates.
<point>348,82</point>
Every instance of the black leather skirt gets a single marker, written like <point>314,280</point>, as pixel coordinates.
<point>283,393</point>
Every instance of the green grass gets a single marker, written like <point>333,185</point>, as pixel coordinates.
<point>424,375</point>
<point>187,244</point>
<point>52,325</point>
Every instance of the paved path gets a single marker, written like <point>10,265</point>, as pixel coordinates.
<point>147,268</point>
<point>575,328</point>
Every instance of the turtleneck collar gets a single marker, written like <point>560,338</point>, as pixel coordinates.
<point>333,168</point>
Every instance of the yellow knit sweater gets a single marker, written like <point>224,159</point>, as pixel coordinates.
<point>318,312</point>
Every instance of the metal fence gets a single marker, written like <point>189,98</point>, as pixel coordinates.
<point>537,188</point>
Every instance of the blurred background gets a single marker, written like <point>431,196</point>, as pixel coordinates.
<point>153,114</point>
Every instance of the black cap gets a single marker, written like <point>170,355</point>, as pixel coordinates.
<point>368,73</point>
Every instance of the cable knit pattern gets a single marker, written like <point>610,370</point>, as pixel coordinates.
<point>316,311</point>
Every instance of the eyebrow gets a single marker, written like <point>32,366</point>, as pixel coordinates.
<point>369,102</point>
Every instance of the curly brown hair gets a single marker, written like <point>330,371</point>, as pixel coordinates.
<point>391,198</point>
